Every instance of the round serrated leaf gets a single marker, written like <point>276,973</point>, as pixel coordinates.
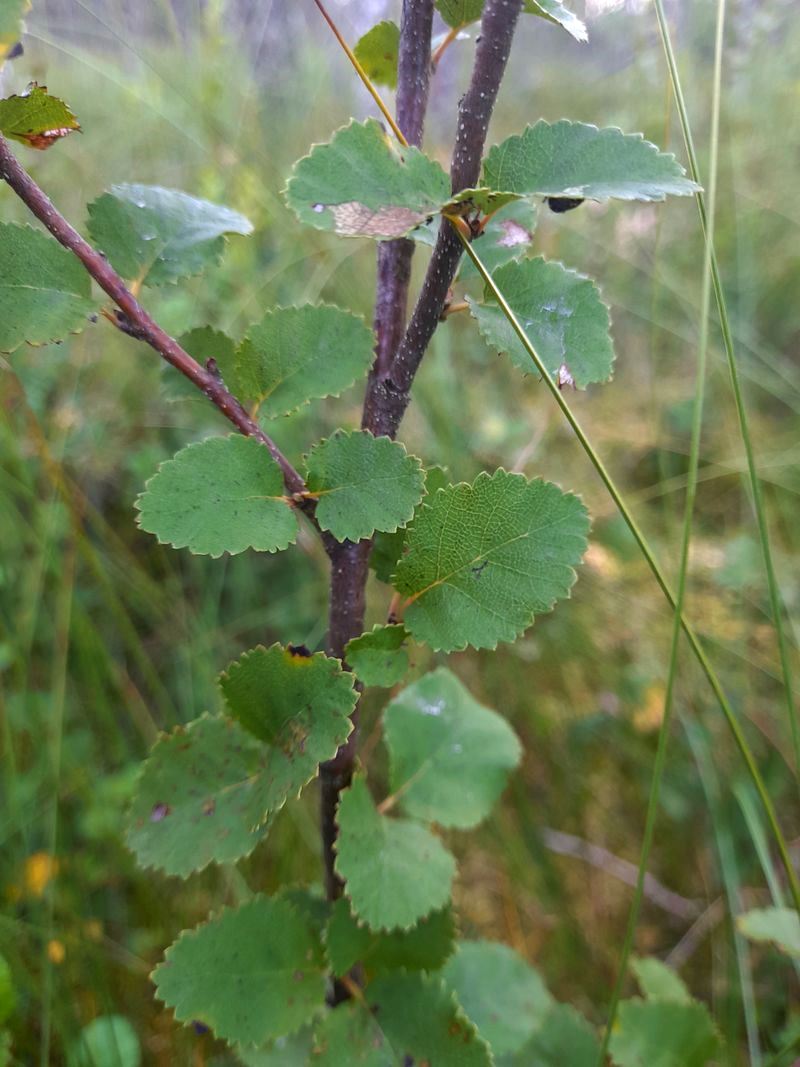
<point>299,354</point>
<point>574,159</point>
<point>196,800</point>
<point>252,974</point>
<point>459,12</point>
<point>45,291</point>
<point>658,981</point>
<point>449,755</point>
<point>378,657</point>
<point>507,235</point>
<point>662,1033</point>
<point>502,994</point>
<point>298,704</point>
<point>565,1037</point>
<point>36,118</point>
<point>363,183</point>
<point>377,53</point>
<point>483,559</point>
<point>419,1016</point>
<point>561,313</point>
<point>363,484</point>
<point>396,871</point>
<point>224,494</point>
<point>155,235</point>
<point>203,343</point>
<point>424,947</point>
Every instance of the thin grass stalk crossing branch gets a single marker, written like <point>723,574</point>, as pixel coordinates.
<point>647,552</point>
<point>776,606</point>
<point>683,567</point>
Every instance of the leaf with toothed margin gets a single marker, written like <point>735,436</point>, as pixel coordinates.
<point>196,800</point>
<point>420,1017</point>
<point>349,1036</point>
<point>45,293</point>
<point>224,494</point>
<point>251,974</point>
<point>363,183</point>
<point>561,313</point>
<point>459,12</point>
<point>396,871</point>
<point>502,994</point>
<point>486,201</point>
<point>35,118</point>
<point>300,705</point>
<point>387,548</point>
<point>202,343</point>
<point>449,756</point>
<point>564,1037</point>
<point>378,657</point>
<point>483,559</point>
<point>424,947</point>
<point>507,235</point>
<point>363,484</point>
<point>663,1033</point>
<point>377,53</point>
<point>155,236</point>
<point>573,159</point>
<point>298,354</point>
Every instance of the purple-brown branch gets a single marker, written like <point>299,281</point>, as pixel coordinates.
<point>135,321</point>
<point>389,398</point>
<point>350,562</point>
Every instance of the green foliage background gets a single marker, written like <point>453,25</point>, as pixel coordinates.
<point>107,637</point>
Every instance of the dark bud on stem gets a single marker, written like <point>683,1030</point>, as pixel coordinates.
<point>560,204</point>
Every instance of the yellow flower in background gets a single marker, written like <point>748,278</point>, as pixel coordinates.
<point>40,869</point>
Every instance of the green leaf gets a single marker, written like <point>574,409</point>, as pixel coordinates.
<point>155,236</point>
<point>293,1050</point>
<point>485,201</point>
<point>502,994</point>
<point>507,235</point>
<point>11,26</point>
<point>564,1037</point>
<point>378,657</point>
<point>202,343</point>
<point>421,1020</point>
<point>387,548</point>
<point>484,559</point>
<point>573,159</point>
<point>298,704</point>
<point>661,1033</point>
<point>299,354</point>
<point>781,926</point>
<point>459,12</point>
<point>396,871</point>
<point>35,118</point>
<point>45,293</point>
<point>363,483</point>
<point>377,53</point>
<point>560,15</point>
<point>348,1036</point>
<point>252,974</point>
<point>424,947</point>
<point>198,798</point>
<point>561,313</point>
<point>658,981</point>
<point>449,755</point>
<point>364,184</point>
<point>224,494</point>
<point>109,1040</point>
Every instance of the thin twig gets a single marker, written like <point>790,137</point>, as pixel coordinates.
<point>135,321</point>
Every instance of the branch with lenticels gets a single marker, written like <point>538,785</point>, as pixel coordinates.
<point>132,318</point>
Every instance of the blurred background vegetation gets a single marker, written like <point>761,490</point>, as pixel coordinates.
<point>107,637</point>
